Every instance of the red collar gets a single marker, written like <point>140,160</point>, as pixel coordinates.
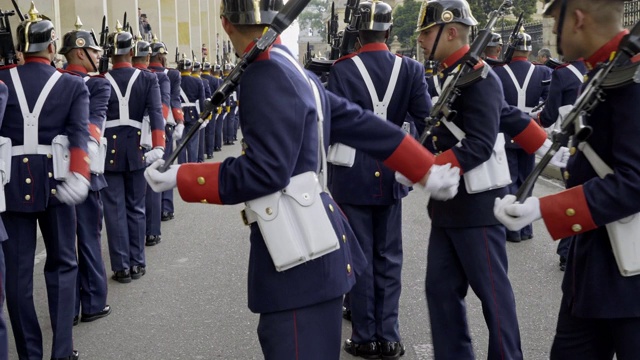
<point>265,54</point>
<point>604,53</point>
<point>121,65</point>
<point>455,57</point>
<point>37,59</point>
<point>156,64</point>
<point>139,66</point>
<point>519,58</point>
<point>373,47</point>
<point>76,68</point>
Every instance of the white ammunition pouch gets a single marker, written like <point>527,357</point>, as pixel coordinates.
<point>97,160</point>
<point>491,174</point>
<point>61,157</point>
<point>293,221</point>
<point>146,140</point>
<point>125,120</point>
<point>623,233</point>
<point>343,155</point>
<point>5,168</point>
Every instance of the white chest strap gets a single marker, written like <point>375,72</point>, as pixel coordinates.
<point>379,106</point>
<point>185,101</point>
<point>576,72</point>
<point>123,102</point>
<point>522,90</point>
<point>30,128</point>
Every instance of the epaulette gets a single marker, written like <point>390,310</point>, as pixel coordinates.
<point>479,72</point>
<point>399,55</point>
<point>97,76</point>
<point>348,56</point>
<point>562,66</point>
<point>64,71</point>
<point>7,67</point>
<point>493,62</point>
<point>622,76</point>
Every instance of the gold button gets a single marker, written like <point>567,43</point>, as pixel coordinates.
<point>139,133</point>
<point>110,161</point>
<point>49,156</point>
<point>25,160</point>
<point>164,136</point>
<point>349,268</point>
<point>27,180</point>
<point>570,212</point>
<point>204,201</point>
<point>50,174</point>
<point>113,151</point>
<point>331,207</point>
<point>566,175</point>
<point>438,124</point>
<point>439,153</point>
<point>344,238</point>
<point>140,147</point>
<point>576,228</point>
<point>434,138</point>
<point>377,174</point>
<point>201,180</point>
<point>53,191</point>
<point>572,151</point>
<point>115,136</point>
<point>27,197</point>
<point>269,211</point>
<point>512,141</point>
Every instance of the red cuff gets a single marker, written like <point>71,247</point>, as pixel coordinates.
<point>178,115</point>
<point>79,162</point>
<point>165,111</point>
<point>531,138</point>
<point>410,159</point>
<point>566,213</point>
<point>157,138</point>
<point>95,132</point>
<point>449,157</point>
<point>199,183</point>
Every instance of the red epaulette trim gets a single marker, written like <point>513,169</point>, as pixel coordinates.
<point>348,56</point>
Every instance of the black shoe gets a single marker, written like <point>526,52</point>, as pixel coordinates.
<point>514,239</point>
<point>563,263</point>
<point>210,156</point>
<point>166,216</point>
<point>76,319</point>
<point>152,240</point>
<point>217,149</point>
<point>370,350</point>
<point>100,314</point>
<point>526,237</point>
<point>346,314</point>
<point>122,276</point>
<point>137,272</point>
<point>391,350</point>
<point>74,356</point>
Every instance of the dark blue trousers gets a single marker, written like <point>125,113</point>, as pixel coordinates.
<point>124,207</point>
<point>4,337</point>
<point>458,258</point>
<point>190,152</point>
<point>167,196</point>
<point>209,133</point>
<point>201,145</point>
<point>228,131</point>
<point>153,206</point>
<point>60,270</point>
<point>91,291</point>
<point>594,339</point>
<point>521,165</point>
<point>309,333</point>
<point>217,134</point>
<point>375,297</point>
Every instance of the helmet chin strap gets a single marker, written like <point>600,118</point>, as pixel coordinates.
<point>435,43</point>
<point>563,12</point>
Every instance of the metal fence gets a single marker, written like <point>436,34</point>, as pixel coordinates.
<point>631,13</point>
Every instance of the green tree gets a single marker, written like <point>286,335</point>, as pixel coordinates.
<point>311,19</point>
<point>405,18</point>
<point>482,8</point>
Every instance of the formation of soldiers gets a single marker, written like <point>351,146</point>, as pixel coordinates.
<point>89,160</point>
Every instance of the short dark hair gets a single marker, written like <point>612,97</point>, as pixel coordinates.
<point>544,52</point>
<point>367,37</point>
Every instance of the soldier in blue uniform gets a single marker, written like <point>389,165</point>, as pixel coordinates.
<point>83,55</point>
<point>230,115</point>
<point>35,196</point>
<point>195,72</point>
<point>4,338</point>
<point>599,313</point>
<point>134,94</point>
<point>563,90</point>
<point>221,113</point>
<point>524,87</point>
<point>153,201</point>
<point>300,308</point>
<point>467,243</point>
<point>175,117</point>
<point>393,87</point>
<point>494,47</point>
<point>214,82</point>
<point>192,98</point>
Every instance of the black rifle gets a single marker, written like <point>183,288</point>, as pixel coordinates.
<point>611,75</point>
<point>513,41</point>
<point>464,74</point>
<point>334,37</point>
<point>7,48</point>
<point>177,55</point>
<point>107,49</point>
<point>15,6</point>
<point>283,19</point>
<point>350,35</point>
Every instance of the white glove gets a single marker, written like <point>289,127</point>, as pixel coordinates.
<point>403,179</point>
<point>514,215</point>
<point>158,181</point>
<point>177,131</point>
<point>93,149</point>
<point>442,177</point>
<point>559,159</point>
<point>204,125</point>
<point>153,155</point>
<point>445,193</point>
<point>74,190</point>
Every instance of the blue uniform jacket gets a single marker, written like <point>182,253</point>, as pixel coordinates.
<point>281,141</point>
<point>32,187</point>
<point>99,93</point>
<point>165,91</point>
<point>537,91</point>
<point>479,117</point>
<point>174,88</point>
<point>4,95</point>
<point>124,152</point>
<point>368,181</point>
<point>592,283</point>
<point>563,90</point>
<point>214,82</point>
<point>194,89</point>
